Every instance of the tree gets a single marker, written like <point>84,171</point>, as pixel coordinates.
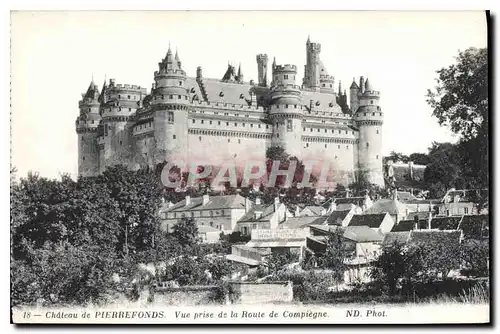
<point>276,261</point>
<point>419,158</point>
<point>460,101</point>
<point>475,257</point>
<point>443,171</point>
<point>337,251</point>
<point>186,232</point>
<point>397,157</point>
<point>390,267</point>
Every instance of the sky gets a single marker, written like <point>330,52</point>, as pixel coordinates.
<point>55,55</point>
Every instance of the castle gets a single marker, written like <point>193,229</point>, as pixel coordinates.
<point>229,119</point>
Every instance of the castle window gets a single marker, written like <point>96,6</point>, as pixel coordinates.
<point>326,130</point>
<point>373,114</point>
<point>318,130</point>
<point>286,105</point>
<point>171,117</point>
<point>330,85</point>
<point>180,83</point>
<point>304,129</point>
<point>128,97</point>
<point>106,130</point>
<point>170,97</point>
<point>202,122</point>
<point>179,97</point>
<point>227,123</point>
<point>259,126</point>
<point>377,156</point>
<point>218,123</point>
<point>119,97</point>
<point>83,158</point>
<point>289,126</point>
<point>210,123</point>
<point>311,129</point>
<point>323,85</point>
<point>367,144</point>
<point>365,114</point>
<point>339,147</point>
<point>377,131</point>
<point>120,143</point>
<point>277,135</point>
<point>194,121</point>
<point>129,109</point>
<point>235,124</point>
<point>339,132</point>
<point>346,132</point>
<point>229,140</point>
<point>239,141</point>
<point>326,146</point>
<point>285,76</point>
<point>174,137</point>
<point>307,144</point>
<point>267,126</point>
<point>295,106</point>
<point>199,138</point>
<point>371,101</point>
<point>347,147</point>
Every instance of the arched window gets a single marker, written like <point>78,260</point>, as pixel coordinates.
<point>367,144</point>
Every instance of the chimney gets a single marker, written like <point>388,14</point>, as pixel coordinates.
<point>410,167</point>
<point>276,203</point>
<point>297,211</point>
<point>362,84</point>
<point>347,195</point>
<point>257,201</point>
<point>395,194</point>
<point>205,199</point>
<point>248,205</point>
<point>188,200</point>
<point>415,225</point>
<point>429,219</point>
<point>199,73</point>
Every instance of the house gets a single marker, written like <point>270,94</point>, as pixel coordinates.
<point>263,217</point>
<point>312,210</point>
<point>445,223</point>
<point>302,222</point>
<point>357,203</point>
<point>397,210</point>
<point>219,212</point>
<point>381,222</point>
<point>458,202</point>
<point>340,217</point>
<point>399,237</point>
<point>423,237</point>
<point>362,242</point>
<point>252,257</point>
<point>279,240</point>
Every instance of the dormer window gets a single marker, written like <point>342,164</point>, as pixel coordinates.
<point>221,94</point>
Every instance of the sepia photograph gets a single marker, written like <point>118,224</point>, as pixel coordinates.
<point>250,167</point>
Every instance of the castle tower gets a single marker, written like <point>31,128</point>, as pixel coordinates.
<point>87,129</point>
<point>285,110</point>
<point>353,96</point>
<point>170,103</point>
<point>312,69</point>
<point>369,120</point>
<point>119,103</point>
<point>262,69</point>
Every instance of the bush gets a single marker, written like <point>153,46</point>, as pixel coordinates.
<point>307,285</point>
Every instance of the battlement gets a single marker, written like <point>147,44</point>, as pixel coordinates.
<point>316,47</point>
<point>262,57</point>
<point>285,68</point>
<point>370,93</point>
<point>326,77</point>
<point>228,106</point>
<point>167,72</point>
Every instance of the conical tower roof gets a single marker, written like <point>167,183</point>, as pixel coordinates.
<point>354,84</point>
<point>368,85</point>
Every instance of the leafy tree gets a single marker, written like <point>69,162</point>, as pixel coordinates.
<point>475,258</point>
<point>444,170</point>
<point>337,251</point>
<point>419,158</point>
<point>390,267</point>
<point>220,268</point>
<point>276,261</point>
<point>460,101</point>
<point>186,232</point>
<point>397,157</point>
<point>187,270</point>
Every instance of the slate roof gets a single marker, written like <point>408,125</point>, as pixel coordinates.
<point>475,226</point>
<point>214,203</point>
<point>370,220</point>
<point>354,233</point>
<point>350,200</point>
<point>315,209</point>
<point>422,215</point>
<point>362,234</point>
<point>401,237</point>
<point>445,223</point>
<point>232,93</point>
<point>266,214</point>
<point>301,222</point>
<point>386,205</point>
<point>404,225</point>
<point>336,217</point>
<point>435,236</point>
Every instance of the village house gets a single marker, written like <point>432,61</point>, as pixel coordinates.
<point>457,202</point>
<point>397,210</point>
<point>362,242</point>
<point>381,222</point>
<point>262,217</point>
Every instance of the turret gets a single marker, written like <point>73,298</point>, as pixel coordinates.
<point>369,120</point>
<point>170,104</point>
<point>239,76</point>
<point>120,102</point>
<point>285,111</point>
<point>87,124</point>
<point>353,96</point>
<point>312,70</point>
<point>262,69</point>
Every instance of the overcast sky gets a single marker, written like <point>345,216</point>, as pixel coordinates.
<point>55,55</point>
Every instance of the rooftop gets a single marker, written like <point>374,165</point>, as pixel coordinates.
<point>370,220</point>
<point>214,203</point>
